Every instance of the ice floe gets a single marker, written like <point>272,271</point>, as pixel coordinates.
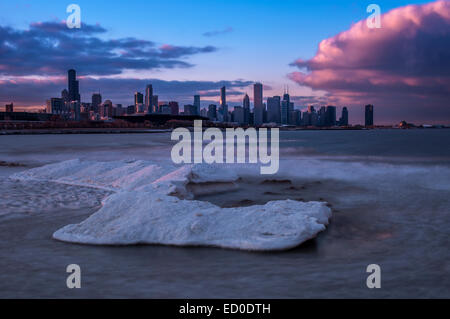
<point>151,204</point>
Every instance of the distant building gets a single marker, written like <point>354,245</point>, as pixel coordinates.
<point>165,108</point>
<point>174,108</point>
<point>138,100</point>
<point>197,104</point>
<point>9,107</point>
<point>322,116</point>
<point>246,104</point>
<point>258,107</point>
<point>65,95</point>
<point>306,118</point>
<point>273,109</point>
<point>149,98</point>
<point>212,112</point>
<point>284,112</point>
<point>55,106</point>
<point>96,101</point>
<point>343,121</point>
<point>155,104</point>
<point>131,109</point>
<point>106,109</point>
<point>285,108</point>
<point>223,104</point>
<point>238,114</point>
<point>369,115</point>
<point>75,110</point>
<point>330,116</point>
<point>190,109</point>
<point>74,89</point>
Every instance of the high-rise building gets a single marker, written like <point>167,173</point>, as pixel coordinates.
<point>155,104</point>
<point>306,118</point>
<point>285,108</point>
<point>174,108</point>
<point>246,104</point>
<point>96,102</point>
<point>322,116</point>
<point>238,114</point>
<point>74,89</point>
<point>106,109</point>
<point>197,104</point>
<point>273,109</point>
<point>330,116</point>
<point>74,110</point>
<point>138,101</point>
<point>223,104</point>
<point>9,107</point>
<point>149,98</point>
<point>189,109</point>
<point>369,115</point>
<point>131,109</point>
<point>55,106</point>
<point>258,107</point>
<point>65,95</point>
<point>344,117</point>
<point>284,111</point>
<point>212,112</point>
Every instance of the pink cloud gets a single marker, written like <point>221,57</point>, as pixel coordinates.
<point>405,62</point>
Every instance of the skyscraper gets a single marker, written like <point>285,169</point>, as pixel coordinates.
<point>258,108</point>
<point>212,112</point>
<point>273,109</point>
<point>139,102</point>
<point>138,98</point>
<point>285,108</point>
<point>74,90</point>
<point>155,104</point>
<point>238,114</point>
<point>96,102</point>
<point>65,95</point>
<point>246,103</point>
<point>344,117</point>
<point>369,115</point>
<point>197,104</point>
<point>55,106</point>
<point>330,117</point>
<point>223,103</point>
<point>149,98</point>
<point>284,112</point>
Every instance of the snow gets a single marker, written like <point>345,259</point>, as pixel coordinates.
<point>143,210</point>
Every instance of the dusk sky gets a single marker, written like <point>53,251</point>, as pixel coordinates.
<point>322,50</point>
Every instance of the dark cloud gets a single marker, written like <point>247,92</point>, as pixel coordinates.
<point>403,65</point>
<point>218,32</point>
<point>50,48</point>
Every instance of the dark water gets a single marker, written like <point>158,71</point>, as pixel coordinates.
<point>389,191</point>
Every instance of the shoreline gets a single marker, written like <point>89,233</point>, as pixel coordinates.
<point>168,130</point>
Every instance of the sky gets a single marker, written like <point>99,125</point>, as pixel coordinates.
<point>321,50</point>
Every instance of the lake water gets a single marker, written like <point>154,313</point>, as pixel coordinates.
<point>389,191</point>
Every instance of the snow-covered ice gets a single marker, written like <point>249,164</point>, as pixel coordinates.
<point>151,204</point>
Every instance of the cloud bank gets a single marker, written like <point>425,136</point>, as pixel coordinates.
<point>403,67</point>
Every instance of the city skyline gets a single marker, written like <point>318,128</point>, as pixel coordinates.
<point>70,107</point>
<point>415,90</point>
